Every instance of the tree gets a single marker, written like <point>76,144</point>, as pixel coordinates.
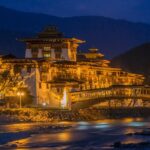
<point>9,83</point>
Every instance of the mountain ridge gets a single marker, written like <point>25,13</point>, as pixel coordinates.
<point>111,36</point>
<point>135,60</point>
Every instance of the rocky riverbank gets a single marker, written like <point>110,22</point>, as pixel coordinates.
<point>42,115</point>
<point>134,145</point>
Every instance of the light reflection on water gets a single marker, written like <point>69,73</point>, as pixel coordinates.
<point>130,139</point>
<point>18,127</point>
<point>102,126</point>
<point>102,132</point>
<point>64,136</point>
<point>130,130</point>
<point>83,125</point>
<point>137,124</point>
<point>87,125</point>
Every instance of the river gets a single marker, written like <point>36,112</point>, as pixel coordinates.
<point>82,135</point>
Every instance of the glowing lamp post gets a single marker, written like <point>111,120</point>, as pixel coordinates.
<point>44,104</point>
<point>20,94</point>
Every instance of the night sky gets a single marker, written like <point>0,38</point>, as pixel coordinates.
<point>133,10</point>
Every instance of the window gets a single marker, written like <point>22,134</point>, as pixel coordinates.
<point>47,54</point>
<point>47,86</point>
<point>47,48</point>
<point>40,85</point>
<point>44,78</point>
<point>57,55</point>
<point>28,69</point>
<point>58,52</point>
<point>58,90</point>
<point>34,52</point>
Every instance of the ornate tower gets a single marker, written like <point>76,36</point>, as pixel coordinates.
<point>52,44</point>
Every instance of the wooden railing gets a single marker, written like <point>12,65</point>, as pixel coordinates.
<point>111,92</point>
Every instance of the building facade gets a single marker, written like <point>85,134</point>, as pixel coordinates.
<point>52,67</point>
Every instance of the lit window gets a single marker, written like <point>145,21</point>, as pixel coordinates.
<point>47,48</point>
<point>47,54</point>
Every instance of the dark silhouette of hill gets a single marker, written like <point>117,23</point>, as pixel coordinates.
<point>111,36</point>
<point>135,60</point>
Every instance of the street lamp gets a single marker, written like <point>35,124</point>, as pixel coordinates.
<point>20,94</point>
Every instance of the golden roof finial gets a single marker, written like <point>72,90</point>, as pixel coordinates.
<point>93,49</point>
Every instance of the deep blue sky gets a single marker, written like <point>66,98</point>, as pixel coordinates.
<point>134,10</point>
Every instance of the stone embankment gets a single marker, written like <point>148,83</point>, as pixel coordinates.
<point>46,115</point>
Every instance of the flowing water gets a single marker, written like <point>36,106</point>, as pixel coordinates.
<point>82,135</point>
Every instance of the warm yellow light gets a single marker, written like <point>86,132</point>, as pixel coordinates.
<point>127,120</point>
<point>64,137</point>
<point>20,93</point>
<point>44,104</point>
<point>64,99</point>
